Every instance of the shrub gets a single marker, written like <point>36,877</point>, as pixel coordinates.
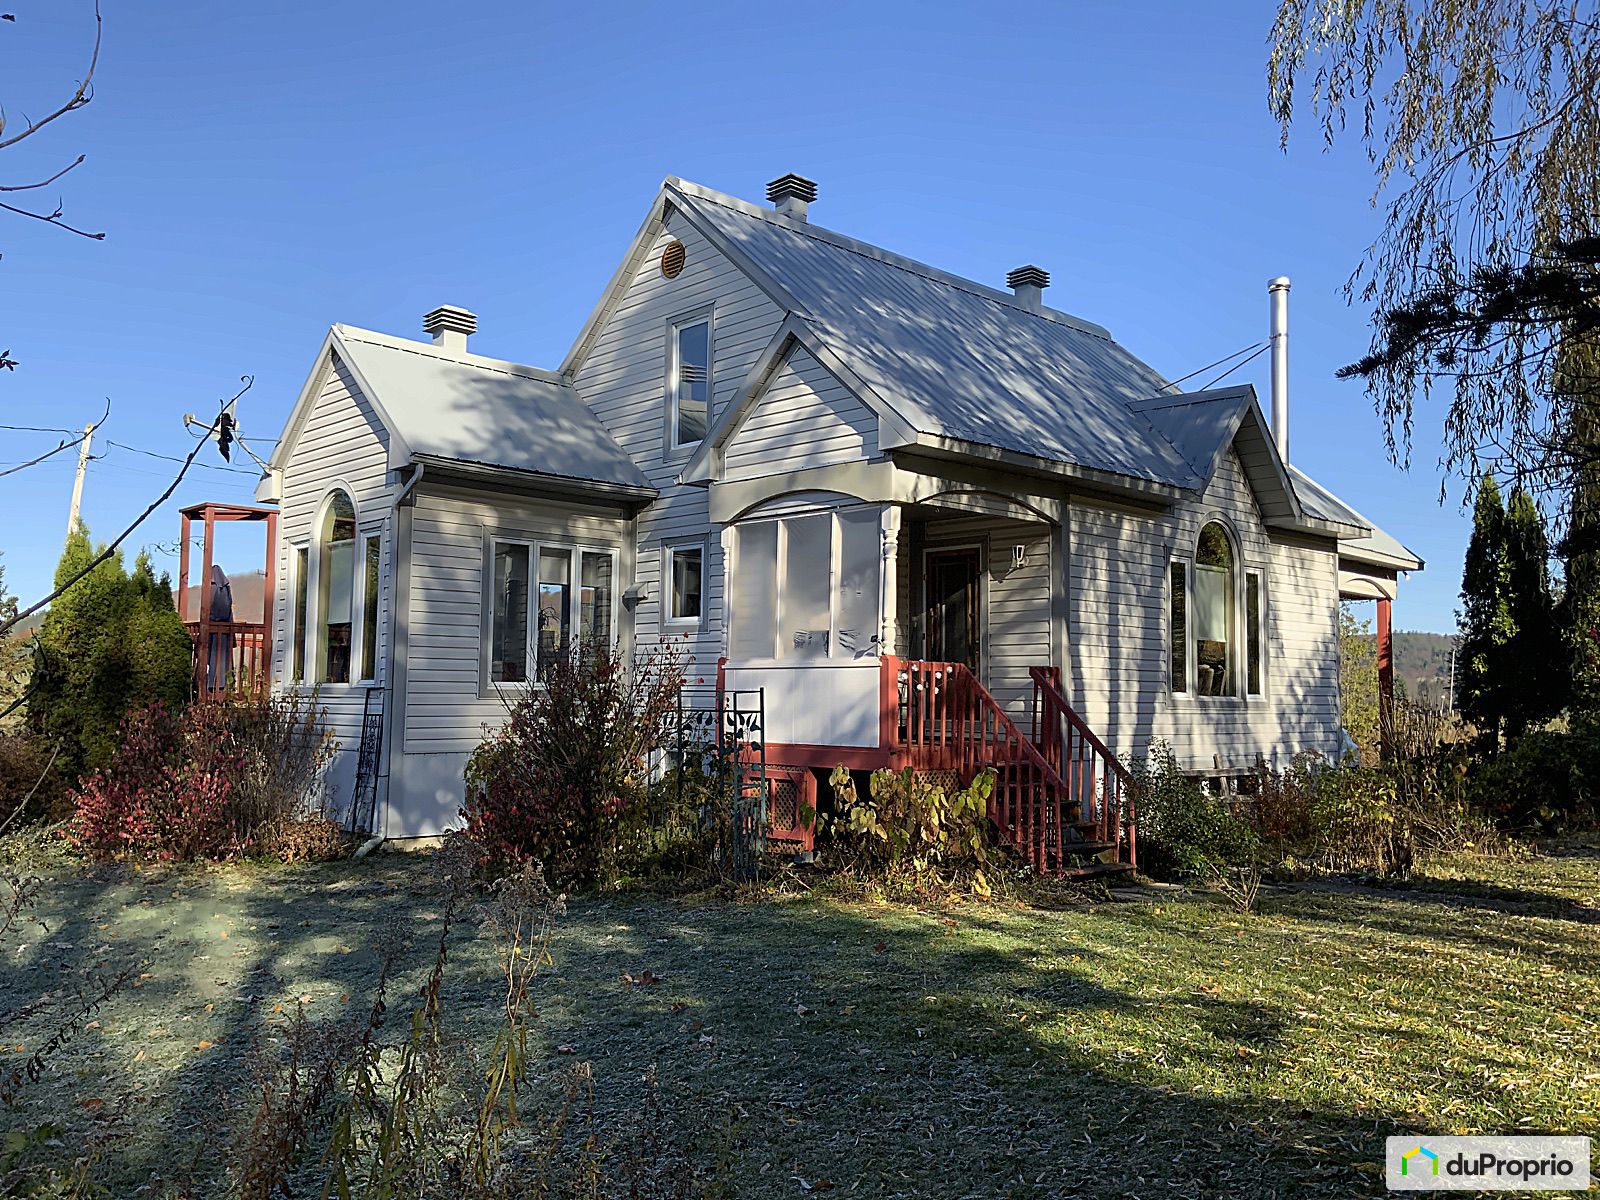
<point>27,774</point>
<point>212,781</point>
<point>909,823</point>
<point>1185,829</point>
<point>113,642</point>
<point>554,783</point>
<point>1546,781</point>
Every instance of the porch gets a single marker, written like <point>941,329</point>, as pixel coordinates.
<point>1061,799</point>
<point>230,656</point>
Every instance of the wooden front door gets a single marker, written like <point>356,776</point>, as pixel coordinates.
<point>951,585</point>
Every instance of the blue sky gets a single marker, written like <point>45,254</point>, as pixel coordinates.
<point>262,171</point>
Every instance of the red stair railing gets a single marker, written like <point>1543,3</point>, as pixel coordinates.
<point>1098,783</point>
<point>938,716</point>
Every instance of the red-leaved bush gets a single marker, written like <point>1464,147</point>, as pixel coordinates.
<point>165,792</point>
<point>210,781</point>
<point>554,783</point>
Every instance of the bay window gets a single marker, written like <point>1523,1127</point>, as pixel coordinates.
<point>805,588</point>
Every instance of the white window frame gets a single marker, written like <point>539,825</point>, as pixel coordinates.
<point>298,626</point>
<point>1260,574</point>
<point>1187,690</point>
<point>1238,647</point>
<point>682,624</point>
<point>358,597</point>
<point>672,447</point>
<point>575,552</point>
<point>313,644</point>
<point>835,549</point>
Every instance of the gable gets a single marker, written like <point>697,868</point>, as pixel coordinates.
<point>620,363</point>
<point>341,439</point>
<point>804,418</point>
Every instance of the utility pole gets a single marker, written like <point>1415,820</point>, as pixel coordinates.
<point>77,483</point>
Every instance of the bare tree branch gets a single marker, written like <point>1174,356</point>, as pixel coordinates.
<point>81,97</point>
<point>110,549</point>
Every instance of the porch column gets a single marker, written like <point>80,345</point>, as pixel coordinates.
<point>1385,674</point>
<point>726,542</point>
<point>889,583</point>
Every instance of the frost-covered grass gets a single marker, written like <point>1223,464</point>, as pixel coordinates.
<point>1171,1047</point>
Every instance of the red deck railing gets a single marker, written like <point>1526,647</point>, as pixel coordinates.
<point>938,716</point>
<point>230,658</point>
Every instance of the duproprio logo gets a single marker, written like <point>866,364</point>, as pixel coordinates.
<point>1421,1151</point>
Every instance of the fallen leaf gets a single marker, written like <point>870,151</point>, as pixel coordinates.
<point>847,1010</point>
<point>800,1010</point>
<point>344,997</point>
<point>204,1045</point>
<point>92,1103</point>
<point>679,1005</point>
<point>566,1048</point>
<point>211,1008</point>
<point>881,948</point>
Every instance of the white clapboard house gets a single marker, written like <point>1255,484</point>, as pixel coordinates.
<point>929,522</point>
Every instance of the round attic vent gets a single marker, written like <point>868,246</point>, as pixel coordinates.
<point>672,259</point>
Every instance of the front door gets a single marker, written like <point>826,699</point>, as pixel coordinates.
<point>951,586</point>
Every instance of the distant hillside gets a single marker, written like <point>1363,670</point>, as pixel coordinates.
<point>1422,665</point>
<point>249,588</point>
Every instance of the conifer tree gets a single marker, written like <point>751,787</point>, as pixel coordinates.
<point>1486,623</point>
<point>110,642</point>
<point>1532,669</point>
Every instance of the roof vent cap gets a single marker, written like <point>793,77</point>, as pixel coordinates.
<point>450,326</point>
<point>790,194</point>
<point>1029,283</point>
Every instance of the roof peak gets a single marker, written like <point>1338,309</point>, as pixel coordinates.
<point>843,241</point>
<point>464,358</point>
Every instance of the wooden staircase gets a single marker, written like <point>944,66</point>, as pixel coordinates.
<point>1061,798</point>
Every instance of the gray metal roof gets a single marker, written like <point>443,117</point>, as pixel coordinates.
<point>1199,424</point>
<point>954,358</point>
<point>472,409</point>
<point>1375,546</point>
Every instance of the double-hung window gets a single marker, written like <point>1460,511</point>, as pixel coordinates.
<point>549,601</point>
<point>688,381</point>
<point>805,587</point>
<point>684,574</point>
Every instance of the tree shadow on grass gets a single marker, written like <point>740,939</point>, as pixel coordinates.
<point>887,1052</point>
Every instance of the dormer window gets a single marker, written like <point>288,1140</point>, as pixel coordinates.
<point>689,381</point>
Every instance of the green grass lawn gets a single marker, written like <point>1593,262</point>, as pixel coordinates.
<point>1170,1047</point>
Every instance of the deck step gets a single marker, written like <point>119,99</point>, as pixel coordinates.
<point>1087,847</point>
<point>1095,870</point>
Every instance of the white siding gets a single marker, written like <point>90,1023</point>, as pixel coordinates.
<point>1015,604</point>
<point>448,704</point>
<point>623,378</point>
<point>1118,650</point>
<point>342,444</point>
<point>805,418</point>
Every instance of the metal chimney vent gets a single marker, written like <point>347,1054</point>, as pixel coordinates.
<point>1029,283</point>
<point>450,326</point>
<point>1028,276</point>
<point>790,194</point>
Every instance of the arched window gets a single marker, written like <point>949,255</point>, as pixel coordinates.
<point>1213,613</point>
<point>336,577</point>
<point>1217,619</point>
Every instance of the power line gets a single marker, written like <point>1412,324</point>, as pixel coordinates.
<point>39,429</point>
<point>172,458</point>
